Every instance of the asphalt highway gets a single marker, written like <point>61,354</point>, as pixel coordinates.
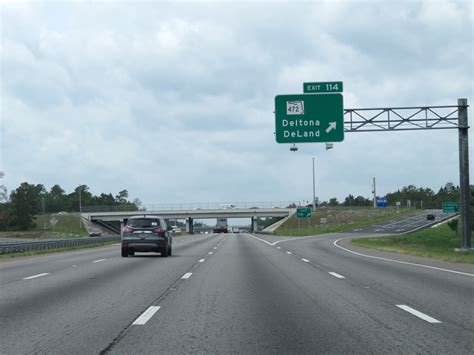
<point>405,224</point>
<point>236,293</point>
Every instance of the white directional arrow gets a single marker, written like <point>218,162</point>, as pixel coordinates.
<point>332,125</point>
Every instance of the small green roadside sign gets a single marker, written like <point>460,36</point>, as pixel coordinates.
<point>309,118</point>
<point>450,207</point>
<point>303,212</point>
<point>322,87</point>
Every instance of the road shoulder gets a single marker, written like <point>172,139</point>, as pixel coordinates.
<point>345,242</point>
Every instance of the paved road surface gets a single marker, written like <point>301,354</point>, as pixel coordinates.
<point>405,224</point>
<point>234,293</point>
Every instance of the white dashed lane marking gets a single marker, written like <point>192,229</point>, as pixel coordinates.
<point>187,275</point>
<point>145,317</point>
<point>35,276</point>
<point>289,252</point>
<point>335,274</point>
<point>98,261</point>
<point>418,314</point>
<point>202,260</point>
<point>210,253</point>
<point>305,260</point>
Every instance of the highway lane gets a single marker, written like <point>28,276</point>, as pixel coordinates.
<point>404,224</point>
<point>307,296</point>
<point>234,293</point>
<point>78,302</point>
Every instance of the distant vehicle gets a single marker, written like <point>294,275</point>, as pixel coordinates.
<point>176,229</point>
<point>430,217</point>
<point>227,206</point>
<point>146,234</point>
<point>95,232</point>
<point>221,226</point>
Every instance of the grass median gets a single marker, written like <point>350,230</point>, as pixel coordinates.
<point>437,243</point>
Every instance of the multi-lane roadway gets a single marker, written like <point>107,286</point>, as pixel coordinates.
<point>236,293</point>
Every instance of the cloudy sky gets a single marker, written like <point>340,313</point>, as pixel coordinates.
<point>174,101</point>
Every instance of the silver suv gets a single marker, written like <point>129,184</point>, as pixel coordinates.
<point>146,234</point>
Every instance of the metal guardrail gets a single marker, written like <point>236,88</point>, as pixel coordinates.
<point>54,244</point>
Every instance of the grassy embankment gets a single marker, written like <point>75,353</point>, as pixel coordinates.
<point>338,220</point>
<point>438,243</point>
<point>67,227</point>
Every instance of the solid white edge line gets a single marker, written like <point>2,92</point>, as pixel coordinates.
<point>398,261</point>
<point>98,261</point>
<point>187,275</point>
<point>35,276</point>
<point>202,260</point>
<point>306,260</point>
<point>418,314</point>
<point>335,274</point>
<point>145,317</point>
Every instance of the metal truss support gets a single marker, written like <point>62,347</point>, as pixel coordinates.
<point>401,118</point>
<point>423,118</point>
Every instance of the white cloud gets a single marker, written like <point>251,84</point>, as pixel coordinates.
<point>174,101</point>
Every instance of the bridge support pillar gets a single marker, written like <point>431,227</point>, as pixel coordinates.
<point>253,227</point>
<point>189,225</point>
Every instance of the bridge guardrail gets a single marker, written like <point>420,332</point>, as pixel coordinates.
<point>54,244</point>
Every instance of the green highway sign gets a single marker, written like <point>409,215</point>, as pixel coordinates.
<point>450,207</point>
<point>323,87</point>
<point>309,118</point>
<point>304,212</point>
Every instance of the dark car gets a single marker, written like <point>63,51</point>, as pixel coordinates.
<point>146,234</point>
<point>430,217</point>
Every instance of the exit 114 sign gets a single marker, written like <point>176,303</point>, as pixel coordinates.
<point>322,87</point>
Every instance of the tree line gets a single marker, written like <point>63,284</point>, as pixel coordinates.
<point>417,197</point>
<point>18,210</point>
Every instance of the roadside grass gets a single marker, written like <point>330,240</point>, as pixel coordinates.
<point>353,220</point>
<point>67,227</point>
<point>51,251</point>
<point>437,243</point>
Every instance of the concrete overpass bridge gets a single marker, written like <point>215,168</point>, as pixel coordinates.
<point>190,215</point>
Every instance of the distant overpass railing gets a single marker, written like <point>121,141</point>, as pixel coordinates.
<point>190,206</point>
<point>215,206</point>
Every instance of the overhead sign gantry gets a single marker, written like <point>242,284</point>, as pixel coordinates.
<point>315,117</point>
